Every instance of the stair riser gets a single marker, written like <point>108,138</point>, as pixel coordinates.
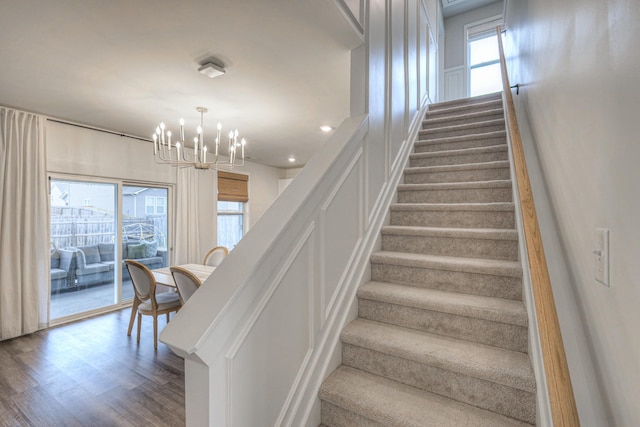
<point>473,195</point>
<point>335,416</point>
<point>454,131</point>
<point>457,176</point>
<point>452,246</point>
<point>503,335</point>
<point>459,145</point>
<point>455,120</point>
<point>456,281</point>
<point>495,397</point>
<point>454,219</point>
<point>460,159</point>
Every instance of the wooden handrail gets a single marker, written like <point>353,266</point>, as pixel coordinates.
<point>561,400</point>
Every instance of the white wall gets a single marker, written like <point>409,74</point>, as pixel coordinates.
<point>455,73</point>
<point>577,61</point>
<point>263,188</point>
<point>85,152</point>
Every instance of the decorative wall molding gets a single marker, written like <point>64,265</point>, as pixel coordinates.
<point>355,162</point>
<point>454,83</point>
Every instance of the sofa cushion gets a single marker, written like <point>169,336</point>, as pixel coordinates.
<point>136,251</point>
<point>68,259</point>
<point>55,260</point>
<point>57,273</point>
<point>106,251</point>
<point>92,269</point>
<point>151,249</point>
<point>91,254</point>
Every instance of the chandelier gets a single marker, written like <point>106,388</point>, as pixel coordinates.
<point>166,152</point>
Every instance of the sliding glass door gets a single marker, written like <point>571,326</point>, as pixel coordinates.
<point>83,238</point>
<point>144,229</point>
<point>95,225</point>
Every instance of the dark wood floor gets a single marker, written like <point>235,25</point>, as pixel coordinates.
<point>89,373</point>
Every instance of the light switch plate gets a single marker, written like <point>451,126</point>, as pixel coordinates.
<point>601,254</point>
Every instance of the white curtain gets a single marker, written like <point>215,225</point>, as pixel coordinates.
<point>24,224</point>
<point>187,244</point>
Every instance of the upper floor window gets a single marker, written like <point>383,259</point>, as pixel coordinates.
<point>483,58</point>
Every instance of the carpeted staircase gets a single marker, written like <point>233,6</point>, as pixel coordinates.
<point>441,337</point>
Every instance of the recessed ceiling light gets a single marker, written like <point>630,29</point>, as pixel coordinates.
<point>292,159</point>
<point>326,128</point>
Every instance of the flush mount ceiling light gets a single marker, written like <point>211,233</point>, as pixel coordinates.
<point>292,159</point>
<point>325,128</point>
<point>211,70</point>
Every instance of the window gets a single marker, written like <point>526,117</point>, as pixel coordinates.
<point>233,194</point>
<point>161,203</point>
<point>230,223</point>
<point>155,205</point>
<point>483,58</point>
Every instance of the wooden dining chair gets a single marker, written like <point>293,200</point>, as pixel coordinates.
<point>215,256</point>
<point>186,282</point>
<point>146,301</point>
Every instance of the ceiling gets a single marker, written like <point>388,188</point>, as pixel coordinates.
<point>456,7</point>
<point>126,65</point>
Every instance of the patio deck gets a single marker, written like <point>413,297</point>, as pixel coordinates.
<point>87,298</point>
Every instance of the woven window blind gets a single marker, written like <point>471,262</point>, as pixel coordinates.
<point>233,187</point>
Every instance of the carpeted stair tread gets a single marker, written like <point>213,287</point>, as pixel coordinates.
<point>450,111</point>
<point>469,233</point>
<point>462,152</point>
<point>475,127</point>
<point>370,396</point>
<point>481,307</point>
<point>506,367</point>
<point>461,138</point>
<point>450,263</point>
<point>461,117</point>
<point>454,215</point>
<point>499,164</point>
<point>494,207</point>
<point>467,102</point>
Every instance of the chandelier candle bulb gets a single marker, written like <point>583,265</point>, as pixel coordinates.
<point>219,129</point>
<point>182,130</point>
<point>169,138</point>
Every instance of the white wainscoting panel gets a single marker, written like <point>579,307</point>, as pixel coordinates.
<point>271,353</point>
<point>341,222</point>
<point>454,83</point>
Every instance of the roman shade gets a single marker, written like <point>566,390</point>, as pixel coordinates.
<point>485,29</point>
<point>233,187</point>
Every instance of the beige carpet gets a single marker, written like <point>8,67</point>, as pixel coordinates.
<point>441,337</point>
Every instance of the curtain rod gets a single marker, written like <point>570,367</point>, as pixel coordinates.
<point>98,129</point>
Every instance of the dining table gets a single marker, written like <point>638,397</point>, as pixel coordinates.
<point>163,275</point>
